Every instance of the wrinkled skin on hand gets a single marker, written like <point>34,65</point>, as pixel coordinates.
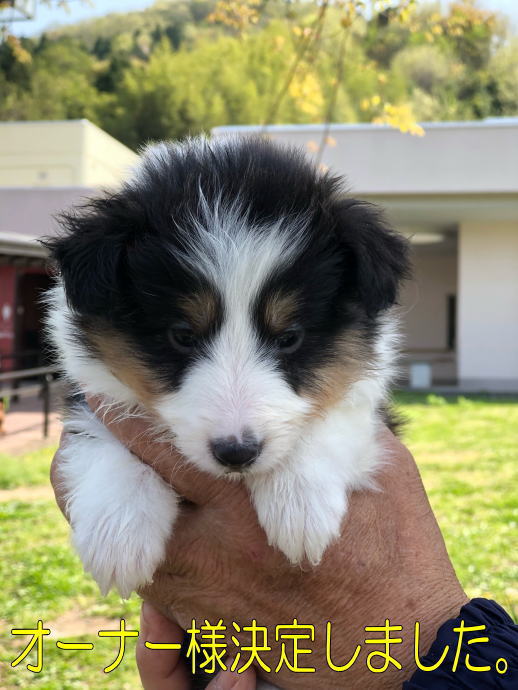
<point>390,562</point>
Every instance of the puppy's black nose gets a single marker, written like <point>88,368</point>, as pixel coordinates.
<point>235,454</point>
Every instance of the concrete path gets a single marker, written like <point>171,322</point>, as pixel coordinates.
<point>24,427</point>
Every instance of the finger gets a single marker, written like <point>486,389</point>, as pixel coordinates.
<point>228,680</point>
<point>160,669</point>
<point>55,480</point>
<point>397,460</point>
<point>137,434</point>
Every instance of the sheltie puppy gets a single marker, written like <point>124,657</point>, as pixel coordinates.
<point>237,295</point>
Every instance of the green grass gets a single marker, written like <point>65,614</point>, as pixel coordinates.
<point>41,578</point>
<point>31,469</point>
<point>466,449</point>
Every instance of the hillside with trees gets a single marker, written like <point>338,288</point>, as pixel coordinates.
<point>181,67</point>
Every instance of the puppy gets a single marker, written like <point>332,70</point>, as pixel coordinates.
<point>234,293</point>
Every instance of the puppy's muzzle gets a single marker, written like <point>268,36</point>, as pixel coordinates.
<point>235,454</point>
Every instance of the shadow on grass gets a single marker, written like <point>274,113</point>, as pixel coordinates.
<point>432,399</point>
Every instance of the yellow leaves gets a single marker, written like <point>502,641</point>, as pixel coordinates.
<point>382,5</point>
<point>351,11</point>
<point>400,117</point>
<point>372,102</point>
<point>279,43</point>
<point>404,15</point>
<point>18,50</point>
<point>305,90</point>
<point>464,16</point>
<point>302,31</point>
<point>237,14</point>
<point>401,11</point>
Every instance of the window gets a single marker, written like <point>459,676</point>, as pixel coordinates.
<point>451,321</point>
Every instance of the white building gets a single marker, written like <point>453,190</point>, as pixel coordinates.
<point>455,192</point>
<point>45,167</point>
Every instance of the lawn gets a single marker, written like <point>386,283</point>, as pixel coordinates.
<point>467,450</point>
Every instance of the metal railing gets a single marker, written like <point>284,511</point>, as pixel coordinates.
<point>45,377</point>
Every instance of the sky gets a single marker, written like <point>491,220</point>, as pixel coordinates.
<point>79,9</point>
<point>47,17</point>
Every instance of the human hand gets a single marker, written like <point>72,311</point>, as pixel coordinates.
<point>390,563</point>
<point>164,669</point>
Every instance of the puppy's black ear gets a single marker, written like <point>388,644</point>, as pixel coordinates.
<point>377,254</point>
<point>89,256</point>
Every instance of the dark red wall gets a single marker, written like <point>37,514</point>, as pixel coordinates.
<point>7,309</point>
<point>21,315</point>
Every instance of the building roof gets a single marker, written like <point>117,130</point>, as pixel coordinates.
<point>451,158</point>
<point>59,154</point>
<point>28,214</point>
<point>459,171</point>
<point>46,167</point>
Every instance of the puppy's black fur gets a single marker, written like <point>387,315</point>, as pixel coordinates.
<point>118,253</point>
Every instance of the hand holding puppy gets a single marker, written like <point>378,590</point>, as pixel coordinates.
<point>390,562</point>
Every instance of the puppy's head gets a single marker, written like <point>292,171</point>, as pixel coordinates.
<point>234,290</point>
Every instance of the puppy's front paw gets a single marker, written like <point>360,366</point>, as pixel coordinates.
<point>120,510</point>
<point>122,543</point>
<point>299,518</point>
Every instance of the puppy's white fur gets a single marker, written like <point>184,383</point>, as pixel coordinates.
<point>122,513</point>
<point>119,509</point>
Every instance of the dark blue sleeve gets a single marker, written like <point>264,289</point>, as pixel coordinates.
<point>503,644</point>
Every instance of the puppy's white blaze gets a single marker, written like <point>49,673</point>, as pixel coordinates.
<point>235,386</point>
<point>226,394</point>
<point>238,258</point>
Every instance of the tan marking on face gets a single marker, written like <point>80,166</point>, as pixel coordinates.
<point>117,354</point>
<point>345,366</point>
<point>200,309</point>
<point>280,310</point>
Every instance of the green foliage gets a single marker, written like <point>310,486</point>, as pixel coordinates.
<point>503,75</point>
<point>169,71</point>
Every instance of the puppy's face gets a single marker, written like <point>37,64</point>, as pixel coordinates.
<point>234,292</point>
<point>242,338</point>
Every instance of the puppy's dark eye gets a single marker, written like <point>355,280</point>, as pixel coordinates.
<point>290,340</point>
<point>183,338</point>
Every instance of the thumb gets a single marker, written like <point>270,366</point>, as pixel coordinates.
<point>160,669</point>
<point>231,680</point>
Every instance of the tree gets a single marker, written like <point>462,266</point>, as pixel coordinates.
<point>179,67</point>
<point>503,73</point>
